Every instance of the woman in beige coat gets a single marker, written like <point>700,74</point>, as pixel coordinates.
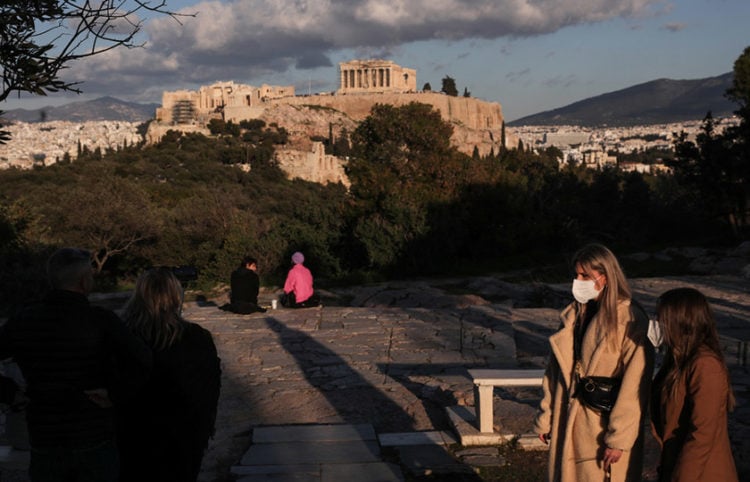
<point>692,393</point>
<point>608,334</point>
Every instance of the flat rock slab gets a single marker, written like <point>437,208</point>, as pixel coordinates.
<point>431,459</point>
<point>315,453</point>
<point>372,472</point>
<point>295,453</point>
<point>313,433</point>
<point>416,438</point>
<point>363,472</point>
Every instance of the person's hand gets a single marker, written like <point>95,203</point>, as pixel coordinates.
<point>611,456</point>
<point>544,437</point>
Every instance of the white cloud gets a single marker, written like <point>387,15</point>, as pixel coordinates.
<point>247,38</point>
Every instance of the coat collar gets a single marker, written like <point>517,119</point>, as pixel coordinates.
<point>562,344</point>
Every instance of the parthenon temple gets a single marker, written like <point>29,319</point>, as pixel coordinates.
<point>373,76</point>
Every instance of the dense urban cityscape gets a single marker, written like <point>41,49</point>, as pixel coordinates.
<point>44,143</point>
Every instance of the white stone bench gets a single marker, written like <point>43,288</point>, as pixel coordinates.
<point>485,380</point>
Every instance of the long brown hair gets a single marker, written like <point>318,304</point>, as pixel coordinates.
<point>153,312</point>
<point>596,257</point>
<point>689,325</point>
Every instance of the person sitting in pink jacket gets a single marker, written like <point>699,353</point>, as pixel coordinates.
<point>298,288</point>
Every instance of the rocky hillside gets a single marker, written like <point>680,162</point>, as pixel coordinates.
<point>475,122</point>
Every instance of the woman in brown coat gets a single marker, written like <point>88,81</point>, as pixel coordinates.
<point>692,393</point>
<point>602,335</point>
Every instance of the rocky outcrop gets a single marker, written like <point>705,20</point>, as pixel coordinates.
<point>476,123</point>
<point>314,165</point>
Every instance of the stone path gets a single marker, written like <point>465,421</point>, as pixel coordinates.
<point>325,453</point>
<point>392,357</point>
<point>398,356</point>
<point>393,368</point>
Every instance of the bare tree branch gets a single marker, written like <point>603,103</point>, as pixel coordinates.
<point>39,39</point>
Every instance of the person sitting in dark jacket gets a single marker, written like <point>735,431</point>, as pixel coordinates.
<point>79,363</point>
<point>245,284</point>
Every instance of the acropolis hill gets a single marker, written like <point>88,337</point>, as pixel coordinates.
<point>362,84</point>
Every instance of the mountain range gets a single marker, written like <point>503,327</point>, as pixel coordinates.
<point>659,101</point>
<point>101,109</point>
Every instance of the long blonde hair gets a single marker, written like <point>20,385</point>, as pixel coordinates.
<point>596,257</point>
<point>689,325</point>
<point>153,312</point>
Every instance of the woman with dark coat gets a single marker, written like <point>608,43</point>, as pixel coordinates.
<point>163,434</point>
<point>691,393</point>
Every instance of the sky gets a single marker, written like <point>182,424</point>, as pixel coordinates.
<point>528,55</point>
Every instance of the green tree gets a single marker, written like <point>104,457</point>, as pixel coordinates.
<point>427,87</point>
<point>740,90</point>
<point>718,164</point>
<point>711,167</point>
<point>401,162</point>
<point>341,147</point>
<point>449,86</point>
<point>740,93</point>
<point>106,214</point>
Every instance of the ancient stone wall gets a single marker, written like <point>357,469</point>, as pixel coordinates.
<point>156,131</point>
<point>476,123</point>
<point>198,107</point>
<point>314,165</point>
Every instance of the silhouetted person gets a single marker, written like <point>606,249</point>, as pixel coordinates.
<point>165,430</point>
<point>245,285</point>
<point>77,361</point>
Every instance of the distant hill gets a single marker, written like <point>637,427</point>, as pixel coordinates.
<point>656,102</point>
<point>101,109</point>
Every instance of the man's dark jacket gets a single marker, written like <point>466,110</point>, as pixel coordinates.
<point>64,347</point>
<point>244,284</point>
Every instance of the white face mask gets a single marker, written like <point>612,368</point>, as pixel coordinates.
<point>585,290</point>
<point>655,333</point>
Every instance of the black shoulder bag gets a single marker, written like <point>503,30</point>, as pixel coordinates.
<point>597,393</point>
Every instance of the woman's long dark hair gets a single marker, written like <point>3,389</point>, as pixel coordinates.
<point>689,325</point>
<point>153,312</point>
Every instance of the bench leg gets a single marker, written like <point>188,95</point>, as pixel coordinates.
<point>483,407</point>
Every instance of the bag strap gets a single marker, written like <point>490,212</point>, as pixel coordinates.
<point>582,323</point>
